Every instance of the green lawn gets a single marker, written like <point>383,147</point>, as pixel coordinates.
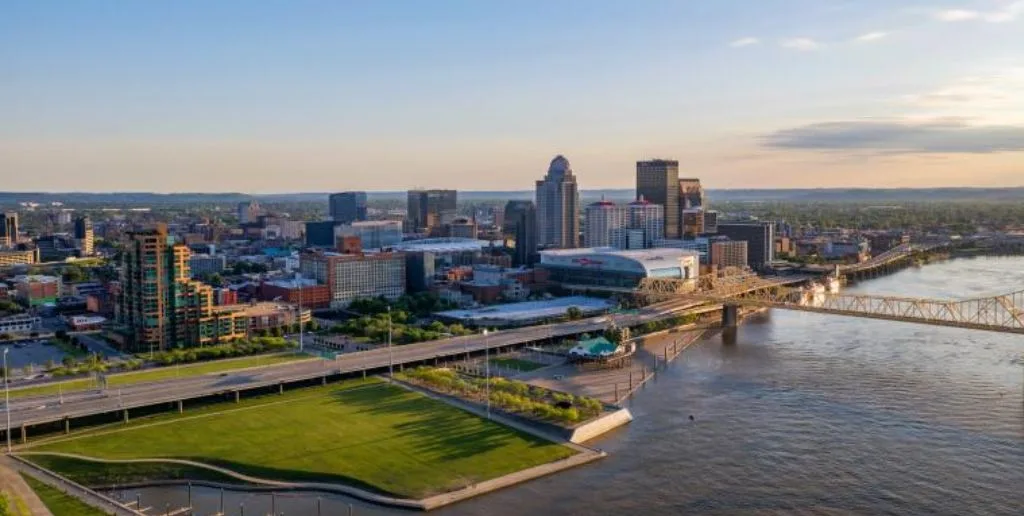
<point>59,503</point>
<point>157,374</point>
<point>516,363</point>
<point>367,434</point>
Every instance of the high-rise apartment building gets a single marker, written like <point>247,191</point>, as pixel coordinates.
<point>760,238</point>
<point>84,235</point>
<point>159,306</point>
<point>600,219</point>
<point>648,218</point>
<point>658,182</point>
<point>636,225</point>
<point>520,222</point>
<point>430,209</point>
<point>9,229</point>
<point>347,207</point>
<point>558,202</point>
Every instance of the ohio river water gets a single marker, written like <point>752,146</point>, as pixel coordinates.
<point>804,414</point>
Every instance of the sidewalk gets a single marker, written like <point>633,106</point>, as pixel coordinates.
<point>16,486</point>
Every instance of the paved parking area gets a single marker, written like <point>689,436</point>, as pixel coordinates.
<point>31,353</point>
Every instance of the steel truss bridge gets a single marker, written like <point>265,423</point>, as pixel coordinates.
<point>1000,313</point>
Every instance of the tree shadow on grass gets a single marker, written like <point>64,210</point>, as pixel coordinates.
<point>435,428</point>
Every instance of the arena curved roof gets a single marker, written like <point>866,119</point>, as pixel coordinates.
<point>649,262</point>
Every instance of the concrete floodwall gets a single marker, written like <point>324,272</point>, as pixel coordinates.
<point>600,426</point>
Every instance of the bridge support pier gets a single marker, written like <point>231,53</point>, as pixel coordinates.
<point>280,388</point>
<point>24,433</point>
<point>238,396</point>
<point>730,316</point>
<point>323,380</point>
<point>181,406</point>
<point>125,416</point>
<point>67,425</point>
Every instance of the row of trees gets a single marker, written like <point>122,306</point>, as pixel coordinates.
<point>227,350</point>
<point>420,304</point>
<point>509,395</point>
<point>375,328</point>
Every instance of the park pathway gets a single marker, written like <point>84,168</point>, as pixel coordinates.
<point>16,486</point>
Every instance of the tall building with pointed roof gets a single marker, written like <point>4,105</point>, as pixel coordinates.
<point>558,206</point>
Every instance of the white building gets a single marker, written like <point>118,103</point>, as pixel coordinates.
<point>600,220</point>
<point>633,226</point>
<point>20,323</point>
<point>558,202</point>
<point>608,267</point>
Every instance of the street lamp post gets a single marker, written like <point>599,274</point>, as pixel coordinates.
<point>7,401</point>
<point>487,374</point>
<point>299,316</point>
<point>391,356</point>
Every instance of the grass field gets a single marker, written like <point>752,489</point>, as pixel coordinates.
<point>59,503</point>
<point>516,363</point>
<point>157,374</point>
<point>362,433</point>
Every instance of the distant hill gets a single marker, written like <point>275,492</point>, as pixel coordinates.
<point>11,199</point>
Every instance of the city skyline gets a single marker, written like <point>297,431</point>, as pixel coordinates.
<point>311,97</point>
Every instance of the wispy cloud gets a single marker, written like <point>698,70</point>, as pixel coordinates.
<point>804,44</point>
<point>871,36</point>
<point>952,15</point>
<point>1009,12</point>
<point>938,136</point>
<point>993,96</point>
<point>745,42</point>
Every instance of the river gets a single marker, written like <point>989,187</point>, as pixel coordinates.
<point>803,414</point>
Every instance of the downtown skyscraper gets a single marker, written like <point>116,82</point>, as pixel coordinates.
<point>558,206</point>
<point>347,207</point>
<point>657,181</point>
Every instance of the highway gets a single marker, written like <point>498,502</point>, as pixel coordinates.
<point>34,411</point>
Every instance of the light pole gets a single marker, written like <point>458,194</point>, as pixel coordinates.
<point>7,402</point>
<point>299,315</point>
<point>487,374</point>
<point>391,356</point>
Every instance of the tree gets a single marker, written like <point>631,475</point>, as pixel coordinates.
<point>275,331</point>
<point>573,313</point>
<point>74,274</point>
<point>613,334</point>
<point>216,279</point>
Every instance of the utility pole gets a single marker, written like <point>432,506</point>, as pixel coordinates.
<point>7,401</point>
<point>391,356</point>
<point>299,315</point>
<point>487,375</point>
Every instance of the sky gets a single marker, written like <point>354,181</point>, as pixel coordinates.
<point>301,96</point>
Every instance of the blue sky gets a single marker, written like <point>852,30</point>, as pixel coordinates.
<point>277,96</point>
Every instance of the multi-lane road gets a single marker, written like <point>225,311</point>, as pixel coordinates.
<point>34,411</point>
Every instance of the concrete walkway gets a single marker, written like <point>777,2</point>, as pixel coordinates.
<point>16,486</point>
<point>86,495</point>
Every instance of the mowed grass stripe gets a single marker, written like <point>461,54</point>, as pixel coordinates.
<point>60,504</point>
<point>378,437</point>
<point>158,374</point>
